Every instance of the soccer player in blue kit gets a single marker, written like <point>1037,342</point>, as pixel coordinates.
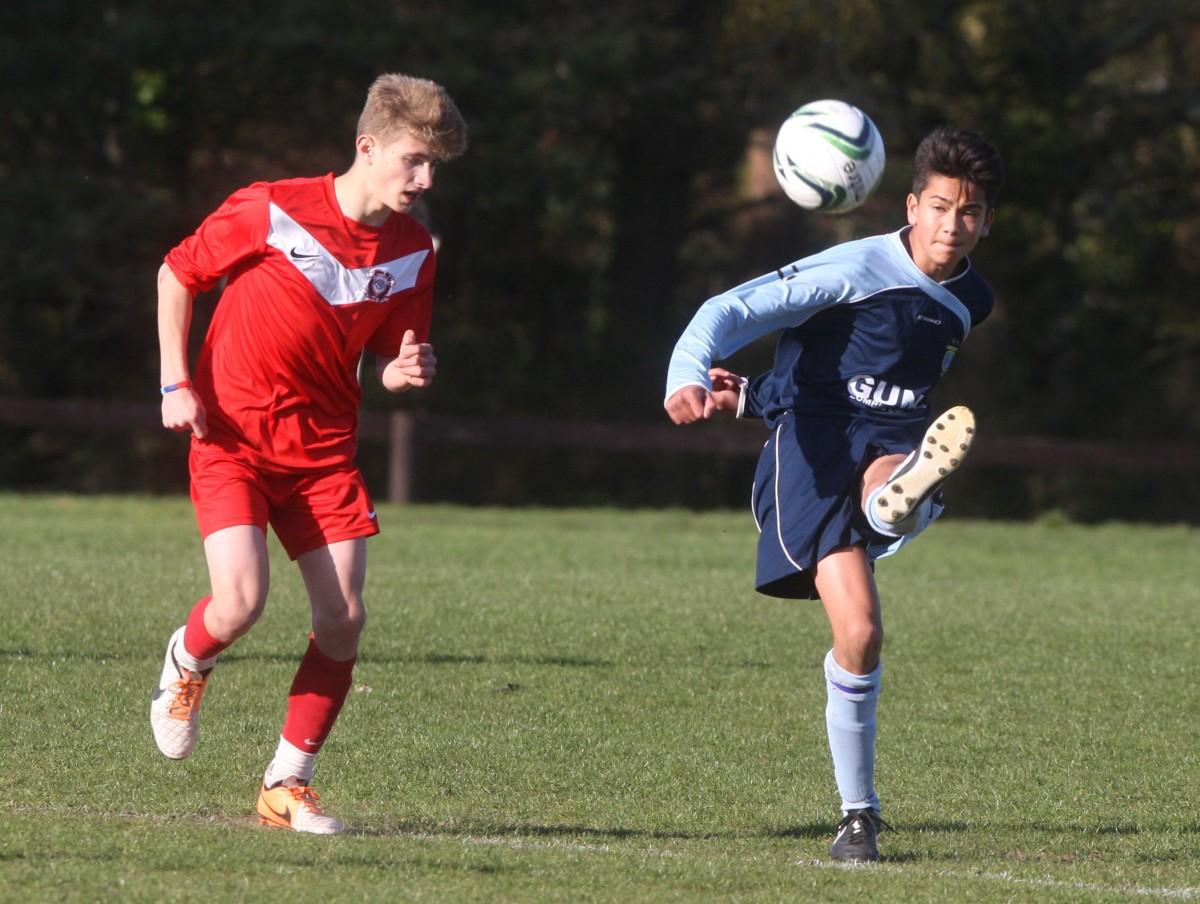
<point>854,463</point>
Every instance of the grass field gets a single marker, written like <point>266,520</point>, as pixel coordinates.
<point>595,706</point>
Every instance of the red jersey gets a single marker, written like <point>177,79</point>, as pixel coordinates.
<point>308,289</point>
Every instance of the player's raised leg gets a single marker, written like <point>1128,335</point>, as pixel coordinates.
<point>334,576</point>
<point>238,569</point>
<point>852,677</point>
<point>896,505</point>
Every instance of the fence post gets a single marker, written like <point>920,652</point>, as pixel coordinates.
<point>400,457</point>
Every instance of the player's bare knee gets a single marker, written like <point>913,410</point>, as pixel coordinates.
<point>234,613</point>
<point>340,626</point>
<point>858,646</point>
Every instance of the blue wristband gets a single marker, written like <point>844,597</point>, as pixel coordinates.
<point>182,384</point>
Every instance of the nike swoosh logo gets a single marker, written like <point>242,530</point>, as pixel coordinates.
<point>286,815</point>
<point>298,256</point>
<point>372,516</point>
<point>159,691</point>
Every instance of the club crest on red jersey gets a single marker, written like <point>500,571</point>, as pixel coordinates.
<point>379,286</point>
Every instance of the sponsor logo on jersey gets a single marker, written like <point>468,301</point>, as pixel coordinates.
<point>876,393</point>
<point>932,320</point>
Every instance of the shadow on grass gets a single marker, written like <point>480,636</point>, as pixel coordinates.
<point>824,829</point>
<point>59,655</point>
<point>814,830</point>
<point>57,856</point>
<point>567,836</point>
<point>1078,828</point>
<point>514,832</point>
<point>811,830</point>
<point>575,662</point>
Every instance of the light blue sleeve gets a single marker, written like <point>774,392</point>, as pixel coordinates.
<point>734,319</point>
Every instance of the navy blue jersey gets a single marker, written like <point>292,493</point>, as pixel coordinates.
<point>863,331</point>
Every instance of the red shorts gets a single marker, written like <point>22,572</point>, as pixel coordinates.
<point>307,510</point>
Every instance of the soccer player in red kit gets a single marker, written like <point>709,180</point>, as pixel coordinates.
<point>317,270</point>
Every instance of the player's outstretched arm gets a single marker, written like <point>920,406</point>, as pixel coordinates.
<point>414,366</point>
<point>182,409</point>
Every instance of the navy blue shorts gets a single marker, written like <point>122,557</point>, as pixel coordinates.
<point>807,490</point>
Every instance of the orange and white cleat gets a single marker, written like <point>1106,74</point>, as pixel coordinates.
<point>175,704</point>
<point>296,808</point>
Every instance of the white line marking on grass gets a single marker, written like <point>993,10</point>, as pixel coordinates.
<point>519,843</point>
<point>1179,894</point>
<point>1176,894</point>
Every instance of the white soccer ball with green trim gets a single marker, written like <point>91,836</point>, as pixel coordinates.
<point>829,156</point>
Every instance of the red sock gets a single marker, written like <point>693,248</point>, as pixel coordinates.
<point>316,698</point>
<point>196,639</point>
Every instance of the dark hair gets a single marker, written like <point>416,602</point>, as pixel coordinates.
<point>959,154</point>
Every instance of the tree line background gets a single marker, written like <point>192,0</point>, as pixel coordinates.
<point>618,175</point>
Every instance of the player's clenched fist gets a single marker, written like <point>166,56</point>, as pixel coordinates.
<point>694,403</point>
<point>690,404</point>
<point>414,365</point>
<point>182,410</point>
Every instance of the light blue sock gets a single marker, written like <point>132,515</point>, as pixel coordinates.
<point>850,720</point>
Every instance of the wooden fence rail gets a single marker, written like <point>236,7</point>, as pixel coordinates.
<point>403,431</point>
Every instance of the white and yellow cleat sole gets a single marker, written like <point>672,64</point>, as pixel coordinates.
<point>942,450</point>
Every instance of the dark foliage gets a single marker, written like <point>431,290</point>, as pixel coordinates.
<point>614,181</point>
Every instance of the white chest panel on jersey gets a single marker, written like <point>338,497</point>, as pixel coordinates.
<point>337,284</point>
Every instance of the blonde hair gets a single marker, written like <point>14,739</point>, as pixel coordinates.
<point>399,104</point>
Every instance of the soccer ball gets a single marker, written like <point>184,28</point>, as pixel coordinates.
<point>829,156</point>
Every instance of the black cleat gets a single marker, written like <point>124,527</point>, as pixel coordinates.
<point>856,833</point>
